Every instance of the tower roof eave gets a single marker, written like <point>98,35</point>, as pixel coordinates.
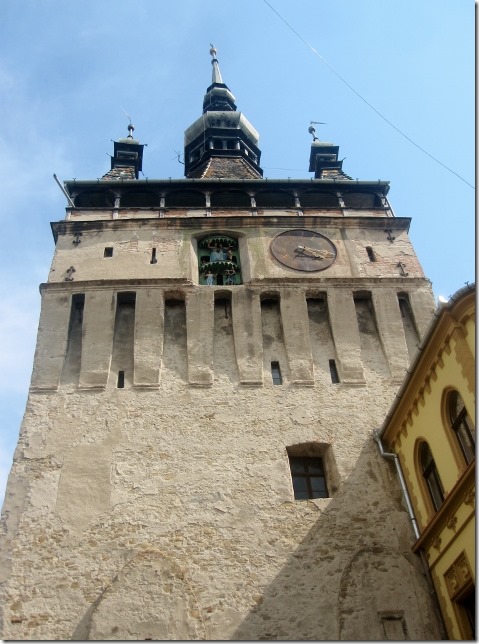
<point>237,120</point>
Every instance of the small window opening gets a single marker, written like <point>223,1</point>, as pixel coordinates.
<point>223,303</point>
<point>333,371</point>
<point>108,252</point>
<point>308,476</point>
<point>371,255</point>
<point>153,259</point>
<point>121,380</point>
<point>276,373</point>
<point>403,307</point>
<point>122,154</point>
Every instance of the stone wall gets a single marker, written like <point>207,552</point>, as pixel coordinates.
<point>151,495</point>
<point>170,514</point>
<point>164,509</point>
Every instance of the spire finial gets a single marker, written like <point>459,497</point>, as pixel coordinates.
<point>216,75</point>
<point>131,127</point>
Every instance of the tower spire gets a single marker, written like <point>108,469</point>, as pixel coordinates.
<point>222,142</point>
<point>218,95</point>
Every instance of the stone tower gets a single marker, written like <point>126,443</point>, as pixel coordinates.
<point>196,457</point>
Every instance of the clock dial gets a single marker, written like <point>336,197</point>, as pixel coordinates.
<point>303,250</point>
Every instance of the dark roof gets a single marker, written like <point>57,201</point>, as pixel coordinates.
<point>225,167</point>
<point>118,173</point>
<point>334,173</point>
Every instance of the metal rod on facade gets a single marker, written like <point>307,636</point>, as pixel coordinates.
<point>64,191</point>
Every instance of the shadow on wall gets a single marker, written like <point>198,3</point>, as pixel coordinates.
<point>353,576</point>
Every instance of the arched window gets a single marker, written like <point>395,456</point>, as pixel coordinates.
<point>185,199</point>
<point>317,199</point>
<point>219,261</point>
<point>462,425</point>
<point>431,476</point>
<point>230,199</point>
<point>361,200</point>
<point>139,199</point>
<point>95,199</point>
<point>274,199</point>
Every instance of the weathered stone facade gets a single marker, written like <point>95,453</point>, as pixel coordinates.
<point>151,493</point>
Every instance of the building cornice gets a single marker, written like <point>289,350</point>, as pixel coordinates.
<point>71,226</point>
<point>383,186</point>
<point>308,284</point>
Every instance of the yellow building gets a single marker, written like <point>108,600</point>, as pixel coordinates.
<point>431,429</point>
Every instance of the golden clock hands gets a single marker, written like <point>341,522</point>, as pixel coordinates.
<point>313,252</point>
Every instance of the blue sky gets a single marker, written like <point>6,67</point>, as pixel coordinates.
<point>70,70</point>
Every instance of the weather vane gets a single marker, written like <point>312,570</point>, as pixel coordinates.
<point>312,130</point>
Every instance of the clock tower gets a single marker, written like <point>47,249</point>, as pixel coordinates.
<point>214,353</point>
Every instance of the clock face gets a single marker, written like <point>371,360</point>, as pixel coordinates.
<point>303,250</point>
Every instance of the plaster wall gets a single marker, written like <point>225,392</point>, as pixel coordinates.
<point>428,420</point>
<point>453,543</point>
<point>175,248</point>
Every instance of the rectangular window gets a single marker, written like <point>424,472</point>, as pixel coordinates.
<point>309,480</point>
<point>108,252</point>
<point>121,380</point>
<point>371,255</point>
<point>333,371</point>
<point>276,373</point>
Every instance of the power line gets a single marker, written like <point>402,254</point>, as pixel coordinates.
<point>364,100</point>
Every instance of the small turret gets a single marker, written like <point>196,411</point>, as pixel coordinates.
<point>323,160</point>
<point>127,159</point>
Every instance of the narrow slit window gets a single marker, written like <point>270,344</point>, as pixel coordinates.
<point>276,373</point>
<point>108,252</point>
<point>121,380</point>
<point>153,259</point>
<point>403,306</point>
<point>333,370</point>
<point>371,255</point>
